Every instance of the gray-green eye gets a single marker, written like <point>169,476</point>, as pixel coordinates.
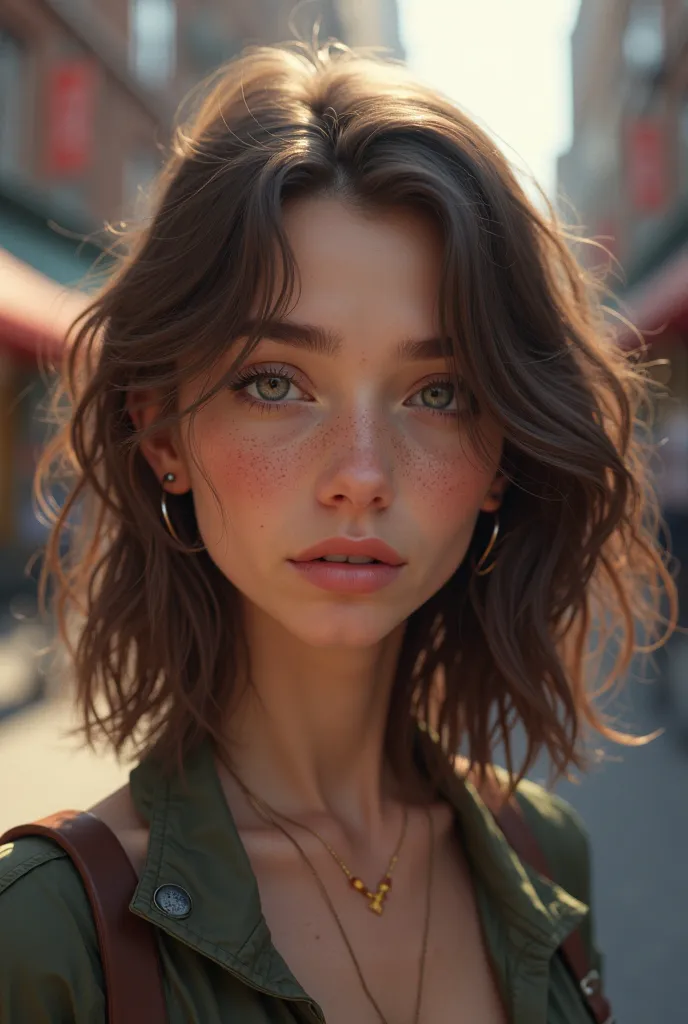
<point>272,388</point>
<point>438,395</point>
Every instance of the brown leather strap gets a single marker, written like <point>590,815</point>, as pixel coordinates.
<point>128,950</point>
<point>509,817</point>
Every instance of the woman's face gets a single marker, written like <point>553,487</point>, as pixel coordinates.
<point>351,436</point>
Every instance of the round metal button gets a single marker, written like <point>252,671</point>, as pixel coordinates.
<point>172,900</point>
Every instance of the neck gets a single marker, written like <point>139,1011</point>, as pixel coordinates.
<point>307,736</point>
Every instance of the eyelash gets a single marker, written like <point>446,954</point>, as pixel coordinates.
<point>252,373</point>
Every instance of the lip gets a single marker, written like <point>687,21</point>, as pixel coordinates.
<point>371,547</point>
<point>343,578</point>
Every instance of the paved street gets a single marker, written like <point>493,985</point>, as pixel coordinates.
<point>44,771</point>
<point>637,812</point>
<point>636,808</point>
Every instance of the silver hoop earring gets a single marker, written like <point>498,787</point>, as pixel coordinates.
<point>169,478</point>
<point>477,567</point>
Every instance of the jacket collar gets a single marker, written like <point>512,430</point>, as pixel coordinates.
<point>194,843</point>
<point>535,907</point>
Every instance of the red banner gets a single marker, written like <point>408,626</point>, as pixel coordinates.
<point>71,112</point>
<point>647,164</point>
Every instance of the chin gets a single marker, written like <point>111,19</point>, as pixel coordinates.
<point>352,627</point>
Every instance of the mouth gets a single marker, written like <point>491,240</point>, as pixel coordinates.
<point>351,552</point>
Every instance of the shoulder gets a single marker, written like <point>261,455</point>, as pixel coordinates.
<point>561,834</point>
<point>557,828</point>
<point>49,963</point>
<point>564,840</point>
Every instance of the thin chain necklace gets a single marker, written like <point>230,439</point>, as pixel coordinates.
<point>270,815</point>
<point>376,900</point>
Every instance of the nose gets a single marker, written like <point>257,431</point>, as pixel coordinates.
<point>358,470</point>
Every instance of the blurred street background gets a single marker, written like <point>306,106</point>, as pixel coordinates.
<point>589,98</point>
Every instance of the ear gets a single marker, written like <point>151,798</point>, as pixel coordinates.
<point>495,495</point>
<point>162,449</point>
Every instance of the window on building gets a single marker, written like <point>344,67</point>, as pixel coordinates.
<point>12,59</point>
<point>153,40</point>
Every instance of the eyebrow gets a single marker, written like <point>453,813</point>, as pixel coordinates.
<point>323,341</point>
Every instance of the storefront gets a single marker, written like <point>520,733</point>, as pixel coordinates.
<point>658,303</point>
<point>37,308</point>
<point>658,306</point>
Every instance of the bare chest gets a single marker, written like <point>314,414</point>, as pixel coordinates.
<point>334,961</point>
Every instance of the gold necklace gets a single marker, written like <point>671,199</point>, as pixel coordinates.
<point>376,900</point>
<point>269,815</point>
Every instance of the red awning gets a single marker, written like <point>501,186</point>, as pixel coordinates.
<point>35,311</point>
<point>659,302</point>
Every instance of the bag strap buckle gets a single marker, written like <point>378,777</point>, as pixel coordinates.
<point>590,984</point>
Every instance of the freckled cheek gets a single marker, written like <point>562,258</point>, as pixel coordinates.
<point>249,470</point>
<point>446,482</point>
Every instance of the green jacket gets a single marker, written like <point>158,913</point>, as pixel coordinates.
<point>219,963</point>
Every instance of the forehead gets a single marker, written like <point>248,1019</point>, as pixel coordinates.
<point>355,264</point>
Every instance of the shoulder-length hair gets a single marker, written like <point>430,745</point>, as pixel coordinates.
<point>153,633</point>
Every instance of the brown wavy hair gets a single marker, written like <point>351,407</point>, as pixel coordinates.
<point>153,633</point>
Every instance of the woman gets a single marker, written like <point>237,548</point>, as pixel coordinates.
<point>356,472</point>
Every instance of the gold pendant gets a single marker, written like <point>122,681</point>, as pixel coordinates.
<point>375,899</point>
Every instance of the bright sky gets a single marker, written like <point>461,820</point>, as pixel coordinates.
<point>506,63</point>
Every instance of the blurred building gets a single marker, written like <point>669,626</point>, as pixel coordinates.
<point>87,96</point>
<point>626,173</point>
